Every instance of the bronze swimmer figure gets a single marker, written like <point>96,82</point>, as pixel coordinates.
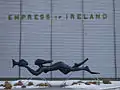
<point>61,66</point>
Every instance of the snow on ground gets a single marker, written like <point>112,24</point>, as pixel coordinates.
<point>115,84</point>
<point>95,87</point>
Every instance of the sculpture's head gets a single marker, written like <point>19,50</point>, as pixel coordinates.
<point>40,62</point>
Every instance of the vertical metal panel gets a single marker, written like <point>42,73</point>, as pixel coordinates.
<point>99,46</point>
<point>51,19</point>
<point>20,40</point>
<point>35,34</point>
<point>117,25</point>
<point>114,38</point>
<point>83,55</point>
<point>67,34</point>
<point>9,37</point>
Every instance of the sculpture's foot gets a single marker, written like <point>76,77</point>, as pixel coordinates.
<point>87,69</point>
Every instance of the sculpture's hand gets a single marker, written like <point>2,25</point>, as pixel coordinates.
<point>23,63</point>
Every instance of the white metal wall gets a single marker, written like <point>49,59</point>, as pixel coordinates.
<point>117,18</point>
<point>99,44</point>
<point>9,37</point>
<point>35,34</point>
<point>66,36</point>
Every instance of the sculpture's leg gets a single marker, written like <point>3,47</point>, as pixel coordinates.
<point>85,69</point>
<point>79,64</point>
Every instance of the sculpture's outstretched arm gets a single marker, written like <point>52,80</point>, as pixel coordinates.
<point>37,72</point>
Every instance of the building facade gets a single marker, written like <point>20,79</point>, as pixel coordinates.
<point>61,30</point>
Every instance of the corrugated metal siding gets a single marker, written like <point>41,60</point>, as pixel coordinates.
<point>99,45</point>
<point>117,18</point>
<point>9,38</point>
<point>66,36</point>
<point>35,34</point>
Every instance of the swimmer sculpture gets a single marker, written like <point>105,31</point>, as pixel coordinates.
<point>61,66</point>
